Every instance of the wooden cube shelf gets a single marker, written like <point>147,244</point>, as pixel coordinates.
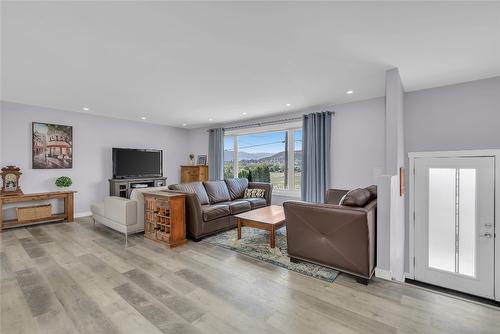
<point>194,173</point>
<point>165,218</point>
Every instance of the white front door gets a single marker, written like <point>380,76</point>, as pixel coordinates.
<point>454,223</point>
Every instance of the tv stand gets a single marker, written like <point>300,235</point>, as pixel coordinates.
<point>123,187</point>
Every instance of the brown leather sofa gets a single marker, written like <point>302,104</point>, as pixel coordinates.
<point>336,235</point>
<point>211,205</point>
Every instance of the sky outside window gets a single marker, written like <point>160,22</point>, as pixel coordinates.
<point>266,142</point>
<point>263,157</point>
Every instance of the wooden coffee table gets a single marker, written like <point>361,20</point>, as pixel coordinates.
<point>269,218</point>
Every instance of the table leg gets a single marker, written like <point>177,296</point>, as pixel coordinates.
<point>68,208</point>
<point>239,229</point>
<point>1,215</point>
<point>273,237</point>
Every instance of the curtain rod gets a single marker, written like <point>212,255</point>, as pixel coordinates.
<point>259,124</point>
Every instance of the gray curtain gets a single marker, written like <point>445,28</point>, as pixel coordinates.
<point>316,134</point>
<point>216,154</point>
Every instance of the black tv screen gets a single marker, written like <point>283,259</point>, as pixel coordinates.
<point>135,163</point>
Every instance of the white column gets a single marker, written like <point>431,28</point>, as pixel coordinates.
<point>391,205</point>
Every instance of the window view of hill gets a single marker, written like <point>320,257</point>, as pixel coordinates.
<point>273,165</point>
<point>262,158</point>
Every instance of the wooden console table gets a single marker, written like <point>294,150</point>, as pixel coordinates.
<point>67,215</point>
<point>165,217</point>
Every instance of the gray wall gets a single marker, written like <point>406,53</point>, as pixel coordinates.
<point>358,143</point>
<point>93,136</point>
<point>456,117</point>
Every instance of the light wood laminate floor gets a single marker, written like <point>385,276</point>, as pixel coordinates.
<point>71,278</point>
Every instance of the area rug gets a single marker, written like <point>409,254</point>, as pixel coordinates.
<point>255,243</point>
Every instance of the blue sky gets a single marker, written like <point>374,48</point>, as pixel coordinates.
<point>268,142</point>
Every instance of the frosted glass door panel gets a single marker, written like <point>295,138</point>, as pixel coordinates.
<point>467,222</point>
<point>454,223</point>
<point>442,218</point>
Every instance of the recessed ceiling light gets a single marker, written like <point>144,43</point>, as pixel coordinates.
<point>184,124</point>
<point>288,105</point>
<point>243,113</point>
<point>349,92</point>
<point>210,119</point>
<point>143,118</point>
<point>86,108</point>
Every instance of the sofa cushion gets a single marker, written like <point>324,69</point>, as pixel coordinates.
<point>236,187</point>
<point>256,203</point>
<point>193,187</point>
<point>239,206</point>
<point>217,191</point>
<point>356,198</point>
<point>211,212</point>
<point>373,191</point>
<point>254,193</point>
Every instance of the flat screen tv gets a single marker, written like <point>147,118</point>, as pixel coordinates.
<point>137,163</point>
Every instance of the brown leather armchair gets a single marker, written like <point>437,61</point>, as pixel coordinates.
<point>337,236</point>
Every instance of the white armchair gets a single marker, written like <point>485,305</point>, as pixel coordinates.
<point>121,214</point>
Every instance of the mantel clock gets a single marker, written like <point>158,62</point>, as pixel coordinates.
<point>10,181</point>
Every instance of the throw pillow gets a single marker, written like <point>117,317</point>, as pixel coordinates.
<point>254,193</point>
<point>373,191</point>
<point>341,202</point>
<point>357,198</point>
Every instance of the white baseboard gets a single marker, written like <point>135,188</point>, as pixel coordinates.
<point>384,274</point>
<point>83,214</point>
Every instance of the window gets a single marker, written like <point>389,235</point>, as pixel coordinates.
<point>265,156</point>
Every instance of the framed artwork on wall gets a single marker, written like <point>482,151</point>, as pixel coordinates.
<point>52,146</point>
<point>201,160</point>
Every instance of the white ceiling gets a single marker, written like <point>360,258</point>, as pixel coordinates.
<point>178,63</point>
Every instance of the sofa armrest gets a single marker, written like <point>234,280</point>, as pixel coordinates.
<point>268,187</point>
<point>194,218</point>
<point>120,209</point>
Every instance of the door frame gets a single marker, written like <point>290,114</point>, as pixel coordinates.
<point>495,153</point>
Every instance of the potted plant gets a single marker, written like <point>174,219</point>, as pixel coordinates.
<point>191,158</point>
<point>63,182</point>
